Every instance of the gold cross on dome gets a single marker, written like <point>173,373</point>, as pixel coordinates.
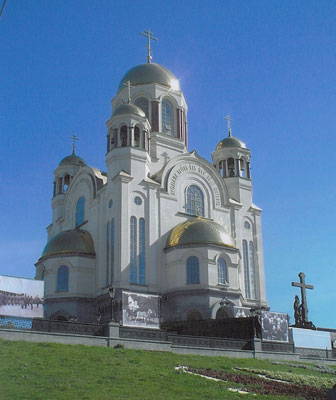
<point>229,119</point>
<point>128,84</point>
<point>149,35</point>
<point>74,138</point>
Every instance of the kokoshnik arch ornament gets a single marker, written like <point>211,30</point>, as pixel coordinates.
<point>159,220</point>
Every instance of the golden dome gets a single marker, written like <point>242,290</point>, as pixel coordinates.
<point>72,241</point>
<point>198,231</point>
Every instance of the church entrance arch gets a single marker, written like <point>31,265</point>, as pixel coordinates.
<point>224,313</point>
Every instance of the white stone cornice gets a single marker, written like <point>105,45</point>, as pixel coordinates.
<point>123,177</point>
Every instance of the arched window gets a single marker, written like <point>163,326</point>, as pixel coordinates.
<point>123,136</point>
<point>80,211</point>
<point>249,270</point>
<point>66,183</point>
<point>137,142</point>
<point>59,186</point>
<point>142,252</point>
<point>224,313</point>
<point>62,279</point>
<point>242,167</point>
<point>133,250</point>
<point>193,270</point>
<point>252,272</point>
<point>167,118</point>
<point>143,103</point>
<point>231,166</point>
<point>107,280</point>
<point>194,201</point>
<point>246,270</point>
<point>112,250</point>
<point>221,271</point>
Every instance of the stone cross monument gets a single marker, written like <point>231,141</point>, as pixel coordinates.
<point>301,310</point>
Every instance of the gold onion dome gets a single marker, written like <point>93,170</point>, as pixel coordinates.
<point>72,160</point>
<point>198,231</point>
<point>230,141</point>
<point>150,73</point>
<point>72,241</point>
<point>128,109</point>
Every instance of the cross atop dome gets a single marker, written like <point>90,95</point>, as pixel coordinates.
<point>74,138</point>
<point>229,119</point>
<point>149,35</point>
<point>129,86</point>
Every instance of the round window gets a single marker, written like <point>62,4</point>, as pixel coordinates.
<point>247,225</point>
<point>110,203</point>
<point>137,200</point>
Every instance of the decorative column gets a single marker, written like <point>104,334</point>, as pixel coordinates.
<point>130,136</point>
<point>186,133</point>
<point>248,171</point>
<point>237,167</point>
<point>179,123</point>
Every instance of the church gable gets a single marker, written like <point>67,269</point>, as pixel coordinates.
<point>191,170</point>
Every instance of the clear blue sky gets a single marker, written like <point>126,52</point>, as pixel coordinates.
<point>270,64</point>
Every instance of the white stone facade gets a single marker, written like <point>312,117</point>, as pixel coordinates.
<point>132,216</point>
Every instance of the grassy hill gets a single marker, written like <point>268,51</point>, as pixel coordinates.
<point>43,371</point>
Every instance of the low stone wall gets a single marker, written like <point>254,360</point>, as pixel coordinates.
<point>282,347</point>
<point>45,325</point>
<point>139,333</point>
<point>315,353</point>
<point>177,344</point>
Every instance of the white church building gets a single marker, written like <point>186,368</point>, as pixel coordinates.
<point>161,220</point>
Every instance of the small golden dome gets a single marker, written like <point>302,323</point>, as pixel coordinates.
<point>72,241</point>
<point>199,231</point>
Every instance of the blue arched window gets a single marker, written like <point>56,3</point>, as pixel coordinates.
<point>107,280</point>
<point>112,249</point>
<point>167,117</point>
<point>62,279</point>
<point>133,250</point>
<point>142,252</point>
<point>246,270</point>
<point>221,270</point>
<point>194,201</point>
<point>80,209</point>
<point>193,275</point>
<point>252,272</point>
<point>249,270</point>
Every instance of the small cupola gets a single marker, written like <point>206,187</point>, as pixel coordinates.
<point>231,157</point>
<point>128,127</point>
<point>66,170</point>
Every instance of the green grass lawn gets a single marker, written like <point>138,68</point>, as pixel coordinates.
<point>42,371</point>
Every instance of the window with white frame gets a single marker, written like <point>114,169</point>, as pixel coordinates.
<point>167,118</point>
<point>80,211</point>
<point>222,271</point>
<point>62,279</point>
<point>193,273</point>
<point>194,201</point>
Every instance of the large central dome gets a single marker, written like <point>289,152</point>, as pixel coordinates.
<point>198,231</point>
<point>150,73</point>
